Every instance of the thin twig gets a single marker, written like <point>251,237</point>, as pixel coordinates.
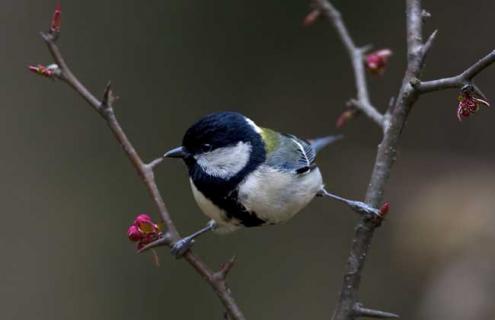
<point>356,55</point>
<point>459,80</point>
<point>145,171</point>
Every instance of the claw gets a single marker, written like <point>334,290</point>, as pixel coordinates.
<point>181,247</point>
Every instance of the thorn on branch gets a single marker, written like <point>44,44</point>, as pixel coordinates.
<point>155,162</point>
<point>391,102</point>
<point>429,42</point>
<point>366,48</point>
<point>108,97</point>
<point>361,311</point>
<point>225,268</point>
<point>425,14</point>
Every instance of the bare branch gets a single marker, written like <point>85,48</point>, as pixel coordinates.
<point>414,28</point>
<point>356,55</point>
<point>145,171</point>
<point>396,117</point>
<point>460,80</point>
<point>66,73</point>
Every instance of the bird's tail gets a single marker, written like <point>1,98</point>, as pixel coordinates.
<point>319,143</point>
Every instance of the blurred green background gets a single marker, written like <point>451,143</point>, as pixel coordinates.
<point>68,194</point>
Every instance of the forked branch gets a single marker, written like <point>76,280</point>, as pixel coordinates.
<point>458,81</point>
<point>356,54</point>
<point>104,108</point>
<point>348,307</point>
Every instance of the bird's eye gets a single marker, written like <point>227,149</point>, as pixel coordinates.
<point>206,147</point>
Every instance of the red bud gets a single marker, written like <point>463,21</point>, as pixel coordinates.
<point>384,209</point>
<point>133,233</point>
<point>56,22</point>
<point>47,71</point>
<point>376,62</point>
<point>345,117</point>
<point>311,18</point>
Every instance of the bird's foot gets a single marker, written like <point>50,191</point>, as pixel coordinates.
<point>363,208</point>
<point>181,247</point>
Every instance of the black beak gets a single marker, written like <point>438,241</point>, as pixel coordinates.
<point>179,152</point>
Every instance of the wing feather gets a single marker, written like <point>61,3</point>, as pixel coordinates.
<point>292,154</point>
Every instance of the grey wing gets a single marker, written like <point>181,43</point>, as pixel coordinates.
<point>292,154</point>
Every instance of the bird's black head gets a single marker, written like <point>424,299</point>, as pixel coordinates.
<point>218,130</point>
<point>222,145</point>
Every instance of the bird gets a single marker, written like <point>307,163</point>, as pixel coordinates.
<point>244,176</point>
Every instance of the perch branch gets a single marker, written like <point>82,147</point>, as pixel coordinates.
<point>356,54</point>
<point>145,171</point>
<point>386,154</point>
<point>395,120</point>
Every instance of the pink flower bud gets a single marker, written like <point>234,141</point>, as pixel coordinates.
<point>49,71</point>
<point>143,218</point>
<point>133,233</point>
<point>143,230</point>
<point>376,62</point>
<point>56,22</point>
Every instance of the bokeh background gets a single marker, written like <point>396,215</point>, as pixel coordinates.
<point>68,194</point>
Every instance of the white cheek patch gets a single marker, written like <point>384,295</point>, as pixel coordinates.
<point>225,162</point>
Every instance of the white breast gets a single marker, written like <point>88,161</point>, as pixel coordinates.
<point>276,196</point>
<point>213,212</point>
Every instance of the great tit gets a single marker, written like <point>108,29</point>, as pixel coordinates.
<point>243,175</point>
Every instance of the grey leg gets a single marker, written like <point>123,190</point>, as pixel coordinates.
<point>357,206</point>
<point>184,244</point>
